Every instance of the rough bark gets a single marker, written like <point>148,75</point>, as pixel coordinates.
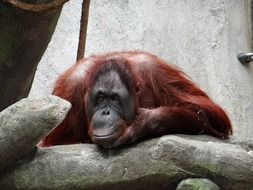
<point>24,36</point>
<point>154,164</point>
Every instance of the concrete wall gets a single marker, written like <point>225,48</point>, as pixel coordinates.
<point>202,37</point>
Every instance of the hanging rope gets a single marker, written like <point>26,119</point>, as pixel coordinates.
<point>36,7</point>
<point>83,29</point>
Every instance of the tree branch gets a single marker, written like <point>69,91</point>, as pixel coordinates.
<point>36,7</point>
<point>161,162</point>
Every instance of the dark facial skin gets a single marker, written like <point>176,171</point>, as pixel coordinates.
<point>110,109</point>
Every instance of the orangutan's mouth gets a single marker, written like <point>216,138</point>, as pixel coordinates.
<point>107,139</point>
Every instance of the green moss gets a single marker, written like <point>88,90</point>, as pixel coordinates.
<point>197,184</point>
<point>210,168</point>
<point>207,168</point>
<point>22,179</point>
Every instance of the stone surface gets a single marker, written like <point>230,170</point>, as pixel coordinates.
<point>202,37</point>
<point>159,164</point>
<point>197,184</point>
<point>25,123</point>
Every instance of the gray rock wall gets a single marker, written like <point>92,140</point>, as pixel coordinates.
<point>202,37</point>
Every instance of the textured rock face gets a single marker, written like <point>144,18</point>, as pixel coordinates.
<point>154,164</point>
<point>23,124</point>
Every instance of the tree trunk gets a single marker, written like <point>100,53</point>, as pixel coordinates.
<point>24,37</point>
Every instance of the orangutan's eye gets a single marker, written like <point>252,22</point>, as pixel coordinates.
<point>115,97</point>
<point>100,98</point>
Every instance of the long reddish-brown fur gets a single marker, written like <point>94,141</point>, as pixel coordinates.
<point>162,88</point>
